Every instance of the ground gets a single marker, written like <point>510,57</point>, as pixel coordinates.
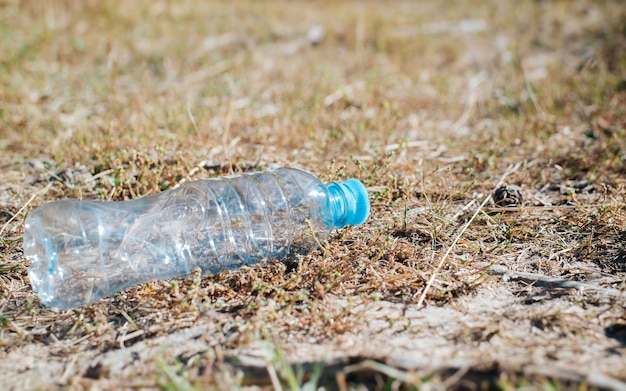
<point>433,105</point>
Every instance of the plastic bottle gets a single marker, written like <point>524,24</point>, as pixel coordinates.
<point>81,251</point>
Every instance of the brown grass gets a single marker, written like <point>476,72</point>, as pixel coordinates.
<point>428,104</point>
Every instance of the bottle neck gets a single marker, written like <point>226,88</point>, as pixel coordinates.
<point>338,205</point>
<point>349,204</point>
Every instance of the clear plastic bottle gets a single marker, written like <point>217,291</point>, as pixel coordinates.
<point>81,251</point>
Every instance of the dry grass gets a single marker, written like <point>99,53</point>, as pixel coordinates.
<point>427,104</point>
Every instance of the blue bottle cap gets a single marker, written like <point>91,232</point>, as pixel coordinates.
<point>348,202</point>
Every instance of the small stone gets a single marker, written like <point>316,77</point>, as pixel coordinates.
<point>40,164</point>
<point>37,164</point>
<point>508,195</point>
<point>315,35</point>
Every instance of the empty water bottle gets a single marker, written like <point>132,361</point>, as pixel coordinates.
<point>81,251</point>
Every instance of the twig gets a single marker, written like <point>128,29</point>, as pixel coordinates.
<point>41,191</point>
<point>129,336</point>
<point>456,378</point>
<point>345,91</point>
<point>456,239</point>
<point>408,144</point>
<point>554,282</point>
<point>274,377</point>
<point>463,209</point>
<point>556,254</point>
<point>68,369</point>
<point>191,117</point>
<point>403,376</point>
<point>524,208</point>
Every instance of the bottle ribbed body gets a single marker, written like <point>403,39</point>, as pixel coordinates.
<point>81,251</point>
